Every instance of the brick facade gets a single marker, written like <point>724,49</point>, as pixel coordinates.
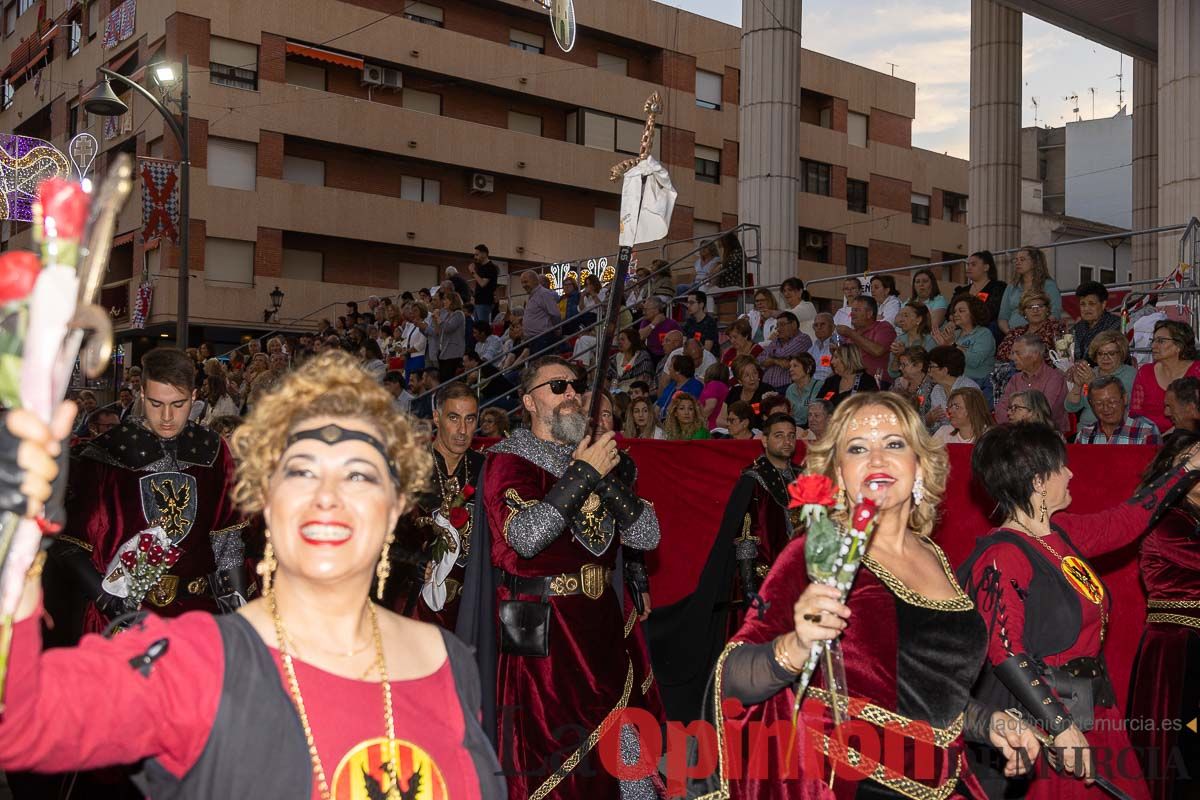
<point>270,154</point>
<point>268,253</point>
<point>885,255</point>
<point>674,71</point>
<point>837,182</point>
<point>889,128</point>
<point>890,193</point>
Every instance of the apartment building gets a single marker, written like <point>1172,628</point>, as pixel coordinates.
<point>342,148</point>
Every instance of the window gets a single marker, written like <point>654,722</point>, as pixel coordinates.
<point>303,265</point>
<point>954,207</point>
<point>529,42</point>
<point>856,196</point>
<point>10,19</point>
<point>1087,272</point>
<point>611,63</point>
<point>72,121</point>
<point>232,63</point>
<point>703,227</point>
<point>814,245</point>
<point>708,164</point>
<point>231,163</point>
<point>605,132</point>
<point>228,261</point>
<point>25,6</point>
<point>525,123</point>
<point>629,136</point>
<point>814,177</point>
<point>6,94</point>
<point>920,209</point>
<point>708,89</point>
<point>424,14</point>
<point>93,12</point>
<point>308,75</point>
<point>426,102</point>
<point>607,220</point>
<point>856,129</point>
<point>856,259</point>
<point>420,190</point>
<point>520,205</point>
<point>308,171</point>
<point>74,37</point>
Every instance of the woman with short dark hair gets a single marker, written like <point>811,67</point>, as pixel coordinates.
<point>1046,609</point>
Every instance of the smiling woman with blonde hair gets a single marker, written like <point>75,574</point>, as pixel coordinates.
<point>369,700</point>
<point>913,642</point>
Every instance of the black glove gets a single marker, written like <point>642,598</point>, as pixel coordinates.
<point>77,563</point>
<point>11,475</point>
<point>620,501</point>
<point>573,488</point>
<point>1021,676</point>
<point>230,588</point>
<point>636,578</point>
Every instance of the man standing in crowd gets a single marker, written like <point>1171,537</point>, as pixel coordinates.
<point>1093,318</point>
<point>556,519</point>
<point>486,275</point>
<point>1182,404</point>
<point>1029,355</point>
<point>700,325</point>
<point>822,346</point>
<point>165,471</point>
<point>786,341</point>
<point>873,336</point>
<point>1113,424</point>
<point>541,313</point>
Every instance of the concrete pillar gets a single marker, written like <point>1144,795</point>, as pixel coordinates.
<point>1145,168</point>
<point>769,119</point>
<point>1178,121</point>
<point>994,173</point>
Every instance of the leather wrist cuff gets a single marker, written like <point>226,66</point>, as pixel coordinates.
<point>1022,677</point>
<point>11,476</point>
<point>635,575</point>
<point>622,503</point>
<point>568,495</point>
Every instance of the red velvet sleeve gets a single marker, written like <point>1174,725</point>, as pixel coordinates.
<point>785,582</point>
<point>227,515</point>
<point>84,707</point>
<point>1002,574</point>
<point>1105,531</point>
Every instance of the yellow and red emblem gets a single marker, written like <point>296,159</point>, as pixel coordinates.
<point>1082,579</point>
<point>366,773</point>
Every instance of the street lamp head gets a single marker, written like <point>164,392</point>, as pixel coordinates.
<point>103,101</point>
<point>167,74</point>
<point>276,299</point>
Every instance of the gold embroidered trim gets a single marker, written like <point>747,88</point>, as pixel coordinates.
<point>80,543</point>
<point>629,623</point>
<point>959,603</point>
<point>877,715</point>
<point>515,506</point>
<point>1170,603</point>
<point>646,684</point>
<point>1175,619</point>
<point>231,528</point>
<point>572,762</point>
<point>897,783</point>
<point>722,792</point>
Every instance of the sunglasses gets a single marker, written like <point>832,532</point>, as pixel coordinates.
<point>559,385</point>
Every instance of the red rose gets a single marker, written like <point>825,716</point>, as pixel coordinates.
<point>468,491</point>
<point>459,517</point>
<point>173,555</point>
<point>19,270</point>
<point>154,559</point>
<point>129,559</point>
<point>67,204</point>
<point>156,551</point>
<point>864,512</point>
<point>145,541</point>
<point>811,490</point>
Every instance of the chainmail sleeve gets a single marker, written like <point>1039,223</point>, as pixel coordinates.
<point>531,526</point>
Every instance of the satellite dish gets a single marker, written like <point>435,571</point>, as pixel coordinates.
<point>562,23</point>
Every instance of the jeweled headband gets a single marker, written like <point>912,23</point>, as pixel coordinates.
<point>332,434</point>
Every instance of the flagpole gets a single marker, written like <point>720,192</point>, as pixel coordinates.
<point>185,203</point>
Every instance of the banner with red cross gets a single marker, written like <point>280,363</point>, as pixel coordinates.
<point>160,199</point>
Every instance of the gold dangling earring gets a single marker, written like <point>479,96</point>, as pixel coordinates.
<point>266,567</point>
<point>384,568</point>
<point>1043,517</point>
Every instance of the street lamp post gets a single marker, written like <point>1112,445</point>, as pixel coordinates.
<point>103,102</point>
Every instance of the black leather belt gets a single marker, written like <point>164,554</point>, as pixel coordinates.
<point>591,581</point>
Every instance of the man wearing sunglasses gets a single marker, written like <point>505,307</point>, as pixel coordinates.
<point>558,508</point>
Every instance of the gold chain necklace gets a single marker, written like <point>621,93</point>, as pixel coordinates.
<point>452,479</point>
<point>297,699</point>
<point>1103,611</point>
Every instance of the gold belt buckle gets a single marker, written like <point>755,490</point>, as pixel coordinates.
<point>592,580</point>
<point>162,594</point>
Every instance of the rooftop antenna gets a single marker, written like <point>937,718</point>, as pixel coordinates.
<point>1034,100</point>
<point>1092,89</point>
<point>1073,99</point>
<point>1120,76</point>
<point>893,66</point>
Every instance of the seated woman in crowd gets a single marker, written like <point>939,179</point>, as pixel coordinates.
<point>750,388</point>
<point>640,422</point>
<point>1107,355</point>
<point>1035,307</point>
<point>654,326</point>
<point>968,416</point>
<point>684,420</point>
<point>969,317</point>
<point>630,363</point>
<point>915,330</point>
<point>915,382</point>
<point>947,365</point>
<point>887,296</point>
<point>493,423</point>
<point>738,419</point>
<point>803,388</point>
<point>762,316</point>
<point>1030,273</point>
<point>740,343</point>
<point>849,375</point>
<point>1173,349</point>
<point>1030,406</point>
<point>713,395</point>
<point>925,292</point>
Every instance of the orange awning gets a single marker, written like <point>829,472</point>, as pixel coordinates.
<point>327,56</point>
<point>36,58</point>
<point>123,239</point>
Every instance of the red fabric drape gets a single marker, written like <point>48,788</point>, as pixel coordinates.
<point>689,482</point>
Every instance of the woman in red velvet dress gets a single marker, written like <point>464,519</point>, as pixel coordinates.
<point>912,640</point>
<point>310,690</point>
<point>1163,692</point>
<point>1047,610</point>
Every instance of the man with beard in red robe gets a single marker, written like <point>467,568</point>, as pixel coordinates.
<point>558,516</point>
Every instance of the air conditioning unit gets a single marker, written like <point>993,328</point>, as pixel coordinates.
<point>814,240</point>
<point>393,79</point>
<point>373,75</point>
<point>482,183</point>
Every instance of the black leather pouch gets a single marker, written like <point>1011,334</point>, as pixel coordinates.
<point>525,628</point>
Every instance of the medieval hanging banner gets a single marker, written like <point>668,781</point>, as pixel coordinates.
<point>160,199</point>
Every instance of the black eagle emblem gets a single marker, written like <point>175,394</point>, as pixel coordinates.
<point>375,790</point>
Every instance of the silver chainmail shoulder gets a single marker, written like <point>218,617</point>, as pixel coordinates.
<point>550,456</point>
<point>643,534</point>
<point>631,753</point>
<point>536,524</point>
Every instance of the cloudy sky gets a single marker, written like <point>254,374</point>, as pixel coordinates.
<point>929,42</point>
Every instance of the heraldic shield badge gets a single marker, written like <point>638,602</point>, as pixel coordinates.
<point>169,499</point>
